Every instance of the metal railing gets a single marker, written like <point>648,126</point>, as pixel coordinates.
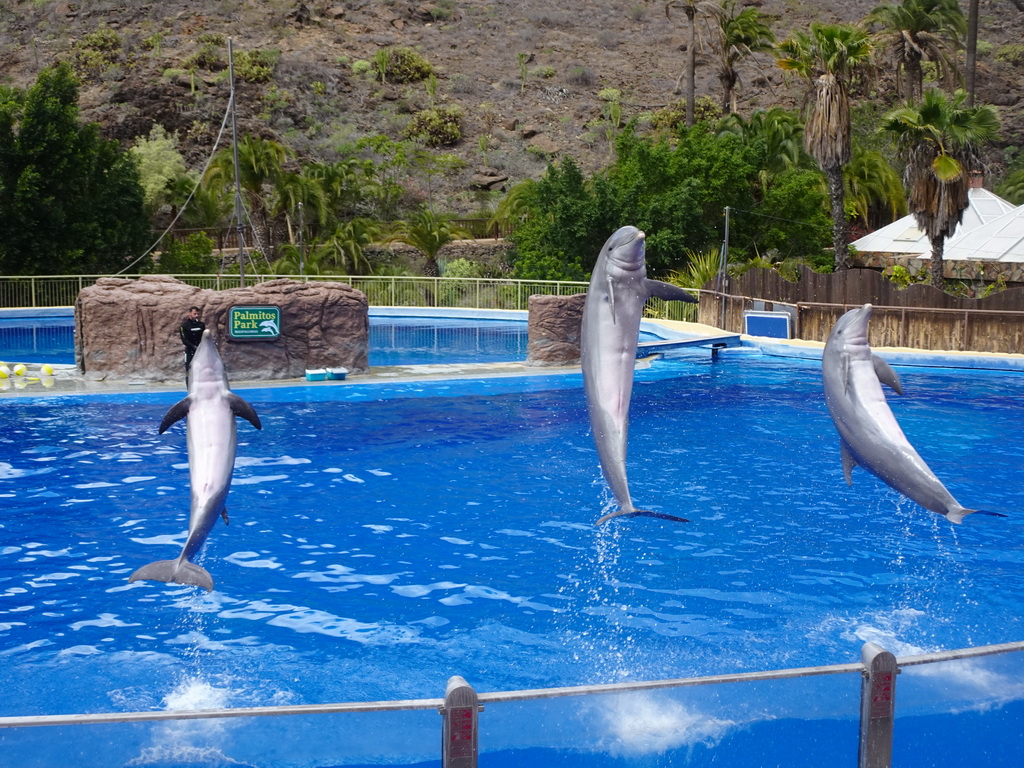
<point>878,672</point>
<point>381,290</point>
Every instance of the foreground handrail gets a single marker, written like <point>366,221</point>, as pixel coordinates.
<point>27,721</point>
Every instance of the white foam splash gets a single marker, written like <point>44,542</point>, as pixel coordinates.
<point>189,741</point>
<point>639,724</point>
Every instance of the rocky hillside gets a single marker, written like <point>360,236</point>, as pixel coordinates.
<point>527,74</point>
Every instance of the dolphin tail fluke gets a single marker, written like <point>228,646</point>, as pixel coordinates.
<point>641,513</point>
<point>174,572</point>
<point>957,516</point>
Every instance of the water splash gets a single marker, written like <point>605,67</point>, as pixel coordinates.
<point>643,724</point>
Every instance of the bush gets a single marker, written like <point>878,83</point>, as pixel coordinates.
<point>1012,54</point>
<point>256,66</point>
<point>191,256</point>
<point>437,127</point>
<point>404,65</point>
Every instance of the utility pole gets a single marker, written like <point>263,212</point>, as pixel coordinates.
<point>302,246</point>
<point>723,266</point>
<point>239,208</point>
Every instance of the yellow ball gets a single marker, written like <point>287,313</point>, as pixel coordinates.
<point>4,371</point>
<point>19,370</point>
<point>46,369</point>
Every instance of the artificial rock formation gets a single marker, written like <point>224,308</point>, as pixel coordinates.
<point>553,333</point>
<point>128,329</point>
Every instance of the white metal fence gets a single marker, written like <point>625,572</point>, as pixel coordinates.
<point>380,290</point>
<point>876,677</point>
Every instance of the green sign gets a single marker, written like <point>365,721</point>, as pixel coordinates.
<point>254,323</point>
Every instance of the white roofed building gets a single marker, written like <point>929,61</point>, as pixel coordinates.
<point>986,233</point>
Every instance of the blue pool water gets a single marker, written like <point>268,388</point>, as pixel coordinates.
<point>393,340</point>
<point>384,537</point>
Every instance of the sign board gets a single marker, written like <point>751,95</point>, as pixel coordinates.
<point>254,323</point>
<point>774,325</point>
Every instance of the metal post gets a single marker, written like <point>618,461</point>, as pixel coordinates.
<point>723,266</point>
<point>302,246</point>
<point>459,747</point>
<point>877,707</point>
<point>238,186</point>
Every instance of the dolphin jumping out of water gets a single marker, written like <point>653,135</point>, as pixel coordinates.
<point>869,434</point>
<point>618,290</point>
<point>211,409</point>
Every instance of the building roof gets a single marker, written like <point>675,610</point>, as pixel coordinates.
<point>999,240</point>
<point>904,236</point>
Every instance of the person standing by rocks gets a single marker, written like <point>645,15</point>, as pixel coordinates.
<point>191,332</point>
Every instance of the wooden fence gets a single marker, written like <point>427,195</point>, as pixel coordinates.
<point>920,316</point>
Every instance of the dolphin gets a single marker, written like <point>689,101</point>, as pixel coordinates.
<point>618,290</point>
<point>869,434</point>
<point>211,409</point>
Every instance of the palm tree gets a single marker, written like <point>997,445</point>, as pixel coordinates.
<point>739,35</point>
<point>781,132</point>
<point>939,138</point>
<point>428,233</point>
<point>874,191</point>
<point>692,8</point>
<point>827,58</point>
<point>916,31</point>
<point>260,166</point>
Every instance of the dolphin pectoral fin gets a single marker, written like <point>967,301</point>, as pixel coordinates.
<point>224,514</point>
<point>848,463</point>
<point>174,571</point>
<point>241,408</point>
<point>176,412</point>
<point>667,291</point>
<point>887,375</point>
<point>641,513</point>
<point>611,296</point>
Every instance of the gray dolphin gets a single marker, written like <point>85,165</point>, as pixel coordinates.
<point>211,409</point>
<point>618,290</point>
<point>869,434</point>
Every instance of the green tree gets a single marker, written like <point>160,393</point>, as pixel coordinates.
<point>781,133</point>
<point>160,164</point>
<point>70,201</point>
<point>939,139</point>
<point>827,57</point>
<point>739,34</point>
<point>428,233</point>
<point>915,31</point>
<point>260,168</point>
<point>874,191</point>
<point>561,239</point>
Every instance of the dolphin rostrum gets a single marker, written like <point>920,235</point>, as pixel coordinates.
<point>211,409</point>
<point>611,326</point>
<point>869,434</point>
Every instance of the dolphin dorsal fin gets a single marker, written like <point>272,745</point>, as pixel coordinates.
<point>176,412</point>
<point>848,462</point>
<point>886,374</point>
<point>667,291</point>
<point>241,408</point>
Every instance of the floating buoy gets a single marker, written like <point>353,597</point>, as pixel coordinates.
<point>4,371</point>
<point>46,369</point>
<point>19,370</point>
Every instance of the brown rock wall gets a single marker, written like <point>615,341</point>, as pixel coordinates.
<point>128,329</point>
<point>553,331</point>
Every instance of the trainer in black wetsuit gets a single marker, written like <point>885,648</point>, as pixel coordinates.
<point>191,332</point>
